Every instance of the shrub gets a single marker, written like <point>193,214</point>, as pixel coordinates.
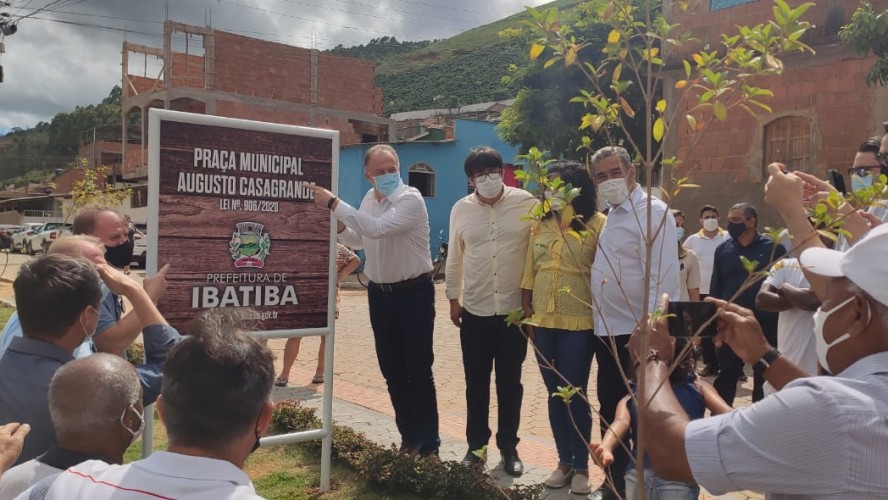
<point>392,471</point>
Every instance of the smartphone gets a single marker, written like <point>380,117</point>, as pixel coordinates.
<point>837,181</point>
<point>686,318</point>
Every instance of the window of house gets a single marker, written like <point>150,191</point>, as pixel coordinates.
<point>724,4</point>
<point>422,177</point>
<point>139,197</point>
<point>788,141</point>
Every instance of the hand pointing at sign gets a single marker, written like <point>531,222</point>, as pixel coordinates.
<point>324,198</point>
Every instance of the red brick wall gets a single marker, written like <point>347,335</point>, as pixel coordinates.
<point>188,71</point>
<point>347,83</point>
<point>828,88</point>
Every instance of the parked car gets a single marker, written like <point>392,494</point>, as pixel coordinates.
<point>140,246</point>
<point>6,232</point>
<point>27,229</point>
<point>45,236</point>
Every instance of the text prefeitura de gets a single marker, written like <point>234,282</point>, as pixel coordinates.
<point>251,163</point>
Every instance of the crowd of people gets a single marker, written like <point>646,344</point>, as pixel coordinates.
<point>587,283</point>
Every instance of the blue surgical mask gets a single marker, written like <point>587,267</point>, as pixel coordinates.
<point>680,232</point>
<point>386,184</point>
<point>859,183</point>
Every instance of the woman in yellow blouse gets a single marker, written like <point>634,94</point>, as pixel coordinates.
<point>556,293</point>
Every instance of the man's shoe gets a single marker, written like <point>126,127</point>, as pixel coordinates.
<point>511,463</point>
<point>472,460</point>
<point>579,485</point>
<point>603,493</point>
<point>742,378</point>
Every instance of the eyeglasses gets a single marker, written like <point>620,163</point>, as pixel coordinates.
<point>495,176</point>
<point>862,171</point>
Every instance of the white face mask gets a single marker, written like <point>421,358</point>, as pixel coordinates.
<point>710,224</point>
<point>135,433</point>
<point>614,191</point>
<point>820,317</point>
<point>89,335</point>
<point>490,185</point>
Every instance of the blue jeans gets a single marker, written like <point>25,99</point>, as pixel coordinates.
<point>403,324</point>
<point>658,489</point>
<point>570,352</point>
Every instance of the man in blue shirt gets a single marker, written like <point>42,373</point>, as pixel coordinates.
<point>730,278</point>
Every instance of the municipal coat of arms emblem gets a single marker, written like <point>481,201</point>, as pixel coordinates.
<point>249,245</point>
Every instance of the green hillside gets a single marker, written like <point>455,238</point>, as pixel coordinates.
<point>464,69</point>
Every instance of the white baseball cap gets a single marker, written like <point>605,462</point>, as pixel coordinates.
<point>864,263</point>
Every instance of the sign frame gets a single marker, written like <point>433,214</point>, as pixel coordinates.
<point>155,118</point>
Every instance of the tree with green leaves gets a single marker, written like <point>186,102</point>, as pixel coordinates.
<point>868,33</point>
<point>641,36</point>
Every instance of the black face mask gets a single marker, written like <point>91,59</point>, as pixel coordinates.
<point>119,256</point>
<point>735,229</point>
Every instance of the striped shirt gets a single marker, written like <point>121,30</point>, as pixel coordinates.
<point>818,438</point>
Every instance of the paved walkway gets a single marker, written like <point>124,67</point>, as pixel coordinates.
<point>361,400</point>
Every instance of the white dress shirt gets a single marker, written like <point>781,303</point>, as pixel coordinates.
<point>704,247</point>
<point>162,475</point>
<point>23,476</point>
<point>394,234</point>
<point>817,438</point>
<point>618,273</point>
<point>488,246</point>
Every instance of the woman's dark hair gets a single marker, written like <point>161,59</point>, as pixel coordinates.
<point>686,366</point>
<point>585,204</point>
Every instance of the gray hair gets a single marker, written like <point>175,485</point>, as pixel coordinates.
<point>70,244</point>
<point>880,309</point>
<point>91,393</point>
<point>377,148</point>
<point>609,151</point>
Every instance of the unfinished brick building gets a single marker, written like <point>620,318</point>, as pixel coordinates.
<point>822,109</point>
<point>224,74</point>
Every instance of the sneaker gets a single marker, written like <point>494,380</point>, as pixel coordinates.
<point>579,485</point>
<point>559,479</point>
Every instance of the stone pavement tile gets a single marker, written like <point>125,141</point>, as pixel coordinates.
<point>361,400</point>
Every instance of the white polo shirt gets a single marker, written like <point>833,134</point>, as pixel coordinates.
<point>163,475</point>
<point>704,247</point>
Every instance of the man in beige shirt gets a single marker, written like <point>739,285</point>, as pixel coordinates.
<point>489,232</point>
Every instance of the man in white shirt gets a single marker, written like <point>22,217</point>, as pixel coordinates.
<point>619,280</point>
<point>704,243</point>
<point>392,226</point>
<point>787,291</point>
<point>489,232</point>
<point>215,406</point>
<point>96,409</point>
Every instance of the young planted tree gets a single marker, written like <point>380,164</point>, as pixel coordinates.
<point>639,52</point>
<point>94,189</point>
<point>868,33</point>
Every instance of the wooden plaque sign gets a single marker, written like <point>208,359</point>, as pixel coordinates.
<point>230,210</point>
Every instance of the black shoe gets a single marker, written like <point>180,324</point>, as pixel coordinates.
<point>603,493</point>
<point>742,378</point>
<point>472,460</point>
<point>512,464</point>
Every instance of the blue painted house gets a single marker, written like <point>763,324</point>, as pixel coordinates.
<point>435,167</point>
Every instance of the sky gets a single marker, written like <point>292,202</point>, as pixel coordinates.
<point>67,52</point>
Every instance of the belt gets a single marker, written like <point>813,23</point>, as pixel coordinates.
<point>401,285</point>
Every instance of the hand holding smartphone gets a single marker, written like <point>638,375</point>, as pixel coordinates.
<point>686,318</point>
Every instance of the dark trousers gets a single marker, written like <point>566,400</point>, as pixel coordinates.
<point>611,389</point>
<point>403,323</point>
<point>570,353</point>
<point>489,343</point>
<point>731,367</point>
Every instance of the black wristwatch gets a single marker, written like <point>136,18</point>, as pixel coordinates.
<point>767,360</point>
<point>331,202</point>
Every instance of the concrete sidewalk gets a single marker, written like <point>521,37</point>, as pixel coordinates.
<point>361,400</point>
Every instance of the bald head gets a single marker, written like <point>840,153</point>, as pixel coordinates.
<point>102,222</point>
<point>80,245</point>
<point>88,395</point>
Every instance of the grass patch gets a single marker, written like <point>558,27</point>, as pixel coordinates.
<point>5,313</point>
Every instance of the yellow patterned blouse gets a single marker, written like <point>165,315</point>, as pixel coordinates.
<point>558,270</point>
